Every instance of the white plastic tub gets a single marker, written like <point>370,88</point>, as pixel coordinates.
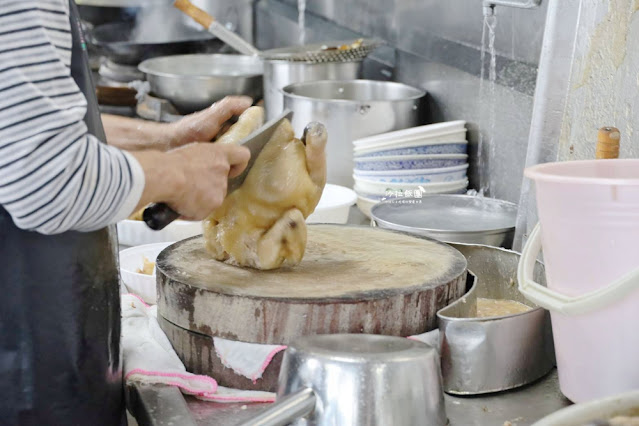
<point>334,205</point>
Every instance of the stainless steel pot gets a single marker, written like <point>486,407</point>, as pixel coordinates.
<point>352,109</point>
<point>194,82</point>
<point>357,379</point>
<point>279,74</point>
<point>450,218</point>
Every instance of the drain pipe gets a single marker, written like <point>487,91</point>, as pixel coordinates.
<point>489,5</point>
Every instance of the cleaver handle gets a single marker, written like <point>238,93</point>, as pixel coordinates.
<point>158,215</point>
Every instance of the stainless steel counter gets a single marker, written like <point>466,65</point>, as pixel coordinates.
<point>157,405</point>
<point>520,407</point>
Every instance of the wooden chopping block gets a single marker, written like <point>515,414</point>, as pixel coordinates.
<point>352,280</point>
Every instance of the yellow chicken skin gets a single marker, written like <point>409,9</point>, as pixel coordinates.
<point>262,224</point>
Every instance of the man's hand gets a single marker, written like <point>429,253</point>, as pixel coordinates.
<point>206,124</point>
<point>192,179</point>
<point>137,135</point>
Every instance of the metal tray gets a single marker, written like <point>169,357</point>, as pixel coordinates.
<point>451,218</point>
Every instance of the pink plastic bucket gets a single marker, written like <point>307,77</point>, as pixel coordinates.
<point>589,217</point>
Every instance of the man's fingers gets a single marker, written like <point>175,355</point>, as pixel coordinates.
<point>229,107</point>
<point>238,157</point>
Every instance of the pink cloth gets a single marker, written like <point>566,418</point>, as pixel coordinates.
<point>150,358</point>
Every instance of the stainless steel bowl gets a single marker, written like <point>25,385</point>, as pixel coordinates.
<point>358,379</point>
<point>451,218</point>
<point>194,82</point>
<point>352,109</point>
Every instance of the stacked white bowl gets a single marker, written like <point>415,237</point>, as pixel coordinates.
<point>411,163</point>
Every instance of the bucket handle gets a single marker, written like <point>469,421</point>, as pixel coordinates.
<point>557,302</point>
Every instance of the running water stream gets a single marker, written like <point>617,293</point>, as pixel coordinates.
<point>301,20</point>
<point>486,149</point>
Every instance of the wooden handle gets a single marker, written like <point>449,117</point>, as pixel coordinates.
<point>608,143</point>
<point>200,16</point>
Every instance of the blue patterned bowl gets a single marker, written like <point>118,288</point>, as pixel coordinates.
<point>447,174</point>
<point>409,162</point>
<point>444,148</point>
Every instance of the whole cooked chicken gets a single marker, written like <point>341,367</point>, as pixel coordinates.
<point>262,224</point>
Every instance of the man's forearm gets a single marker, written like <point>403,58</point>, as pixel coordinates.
<point>136,135</point>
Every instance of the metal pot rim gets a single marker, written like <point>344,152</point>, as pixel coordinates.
<point>419,92</point>
<point>144,67</point>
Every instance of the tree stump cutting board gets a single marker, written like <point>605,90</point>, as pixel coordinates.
<point>352,280</point>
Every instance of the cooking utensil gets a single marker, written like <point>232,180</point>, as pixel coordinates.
<point>343,285</point>
<point>214,27</point>
<point>482,355</point>
<point>194,82</point>
<point>118,42</point>
<point>344,51</point>
<point>159,215</point>
<point>451,218</point>
<point>352,109</point>
<point>356,379</point>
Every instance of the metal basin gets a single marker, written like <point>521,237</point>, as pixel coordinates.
<point>194,82</point>
<point>352,109</point>
<point>483,355</point>
<point>451,218</point>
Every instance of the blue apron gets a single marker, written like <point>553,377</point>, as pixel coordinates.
<point>60,360</point>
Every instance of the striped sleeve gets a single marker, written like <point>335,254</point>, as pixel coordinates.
<point>54,177</point>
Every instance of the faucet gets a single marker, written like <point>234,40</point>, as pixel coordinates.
<point>489,5</point>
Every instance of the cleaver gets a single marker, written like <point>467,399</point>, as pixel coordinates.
<point>158,215</point>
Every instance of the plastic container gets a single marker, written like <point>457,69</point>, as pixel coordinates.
<point>131,260</point>
<point>334,205</point>
<point>589,216</point>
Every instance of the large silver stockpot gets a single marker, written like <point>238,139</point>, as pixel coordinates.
<point>281,73</point>
<point>352,109</point>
